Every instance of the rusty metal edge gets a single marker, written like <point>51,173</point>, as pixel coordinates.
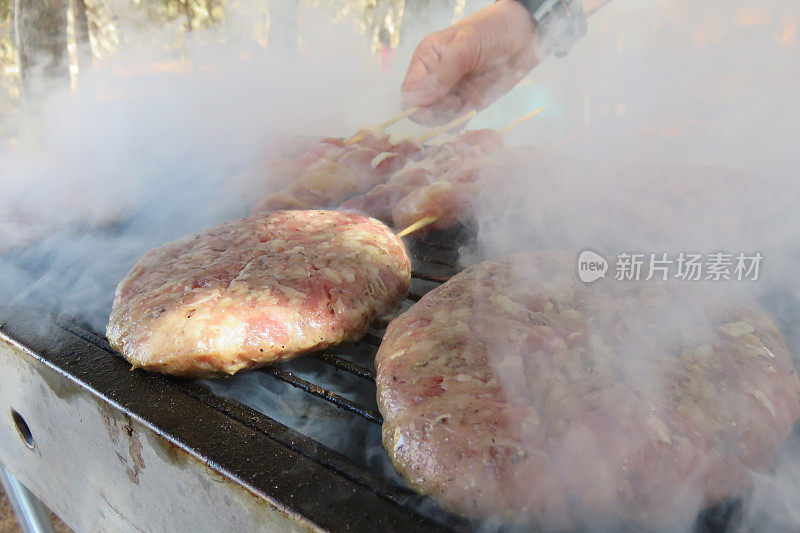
<point>312,492</point>
<point>305,446</point>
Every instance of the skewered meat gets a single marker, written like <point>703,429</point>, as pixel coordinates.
<point>327,149</point>
<point>515,391</point>
<point>491,181</point>
<point>328,183</point>
<point>472,143</point>
<point>380,201</point>
<point>456,162</point>
<point>380,141</point>
<point>450,199</point>
<point>486,140</point>
<point>331,172</point>
<point>258,290</point>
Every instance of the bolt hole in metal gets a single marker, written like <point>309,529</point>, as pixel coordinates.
<point>23,430</point>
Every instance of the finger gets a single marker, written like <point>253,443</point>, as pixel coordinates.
<point>413,90</point>
<point>438,64</point>
<point>480,91</point>
<point>417,88</point>
<point>442,111</point>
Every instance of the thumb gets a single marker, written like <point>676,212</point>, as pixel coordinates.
<point>440,61</point>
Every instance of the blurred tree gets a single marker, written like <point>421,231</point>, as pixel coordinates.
<point>6,8</point>
<point>9,74</point>
<point>100,28</point>
<point>41,37</point>
<point>82,36</point>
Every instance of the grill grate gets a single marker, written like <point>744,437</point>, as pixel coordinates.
<point>321,392</point>
<point>427,274</point>
<point>340,363</point>
<point>343,364</point>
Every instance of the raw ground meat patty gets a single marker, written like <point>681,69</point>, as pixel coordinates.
<point>258,290</point>
<point>516,392</point>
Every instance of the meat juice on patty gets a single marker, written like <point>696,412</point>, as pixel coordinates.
<point>516,392</point>
<point>254,291</point>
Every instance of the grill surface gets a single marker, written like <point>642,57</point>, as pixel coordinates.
<point>422,281</point>
<point>348,366</point>
<point>334,422</point>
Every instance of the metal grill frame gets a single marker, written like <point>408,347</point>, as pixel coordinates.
<point>345,365</point>
<point>69,386</point>
<point>108,439</point>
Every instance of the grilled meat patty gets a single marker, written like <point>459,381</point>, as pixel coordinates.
<point>515,391</point>
<point>258,290</point>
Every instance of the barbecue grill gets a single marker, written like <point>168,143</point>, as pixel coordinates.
<point>107,448</point>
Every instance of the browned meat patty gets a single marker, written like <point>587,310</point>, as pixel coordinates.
<point>258,290</point>
<point>515,391</point>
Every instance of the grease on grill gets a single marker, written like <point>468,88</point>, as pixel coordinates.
<point>422,282</point>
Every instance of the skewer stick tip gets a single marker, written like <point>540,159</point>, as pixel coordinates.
<point>363,133</point>
<point>521,120</point>
<point>407,113</point>
<point>447,127</point>
<point>355,138</point>
<point>419,224</point>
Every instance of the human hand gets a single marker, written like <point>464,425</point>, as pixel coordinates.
<point>472,63</point>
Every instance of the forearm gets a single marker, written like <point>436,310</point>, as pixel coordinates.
<point>559,23</point>
<point>473,62</point>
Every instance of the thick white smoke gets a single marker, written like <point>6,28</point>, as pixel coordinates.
<point>670,128</point>
<point>662,96</point>
<point>156,143</point>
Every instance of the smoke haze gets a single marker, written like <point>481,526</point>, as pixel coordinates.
<point>661,98</point>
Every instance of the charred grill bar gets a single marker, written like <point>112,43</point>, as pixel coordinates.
<point>111,448</point>
<point>321,392</point>
<point>128,450</point>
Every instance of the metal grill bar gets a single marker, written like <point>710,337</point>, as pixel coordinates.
<point>414,297</point>
<point>343,364</point>
<point>372,339</point>
<point>348,366</point>
<point>321,392</point>
<point>430,277</point>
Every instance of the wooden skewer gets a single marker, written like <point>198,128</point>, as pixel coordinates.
<point>407,113</point>
<point>564,142</point>
<point>355,138</point>
<point>419,224</point>
<point>385,124</point>
<point>447,127</point>
<point>521,120</point>
<point>427,221</point>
